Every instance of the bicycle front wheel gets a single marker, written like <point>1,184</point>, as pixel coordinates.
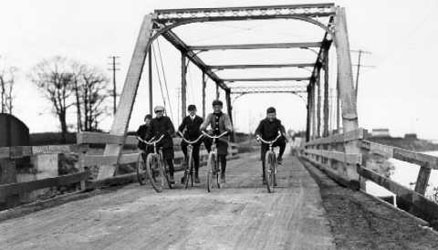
<point>211,173</point>
<point>154,172</point>
<point>141,169</point>
<point>270,162</point>
<point>189,172</point>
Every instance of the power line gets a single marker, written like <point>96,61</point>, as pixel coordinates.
<point>114,68</point>
<point>164,78</point>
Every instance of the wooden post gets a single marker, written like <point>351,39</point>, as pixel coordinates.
<point>204,85</point>
<point>151,89</point>
<point>346,90</point>
<point>127,98</point>
<point>183,86</point>
<point>326,96</point>
<point>422,179</point>
<point>230,112</point>
<point>217,91</point>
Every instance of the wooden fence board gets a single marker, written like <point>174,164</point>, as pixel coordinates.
<point>421,203</point>
<point>22,187</point>
<point>339,156</point>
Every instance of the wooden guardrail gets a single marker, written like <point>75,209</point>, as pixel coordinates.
<point>86,138</point>
<point>328,154</point>
<point>8,155</point>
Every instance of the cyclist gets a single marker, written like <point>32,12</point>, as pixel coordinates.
<point>162,125</point>
<point>190,128</point>
<point>219,123</point>
<point>268,130</point>
<point>141,132</point>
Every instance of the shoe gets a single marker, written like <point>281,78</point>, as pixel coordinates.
<point>172,181</point>
<point>280,161</point>
<point>197,181</point>
<point>223,178</point>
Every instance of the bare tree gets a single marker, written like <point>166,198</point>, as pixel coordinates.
<point>7,83</point>
<point>91,90</point>
<point>55,77</point>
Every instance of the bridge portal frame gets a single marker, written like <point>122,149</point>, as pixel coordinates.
<point>161,23</point>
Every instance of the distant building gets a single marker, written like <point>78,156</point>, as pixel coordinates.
<point>380,132</point>
<point>411,136</point>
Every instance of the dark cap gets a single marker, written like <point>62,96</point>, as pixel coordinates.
<point>217,102</point>
<point>148,117</point>
<point>191,107</point>
<point>270,110</point>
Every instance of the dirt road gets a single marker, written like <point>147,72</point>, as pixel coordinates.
<point>242,215</point>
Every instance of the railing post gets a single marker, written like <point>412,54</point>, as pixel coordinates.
<point>423,179</point>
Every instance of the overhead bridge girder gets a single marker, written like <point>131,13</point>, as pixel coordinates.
<point>242,13</point>
<point>257,46</point>
<point>260,66</point>
<point>297,79</point>
<point>268,89</point>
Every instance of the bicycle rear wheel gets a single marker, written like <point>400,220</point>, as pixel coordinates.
<point>141,169</point>
<point>154,172</point>
<point>188,174</point>
<point>270,171</point>
<point>211,173</point>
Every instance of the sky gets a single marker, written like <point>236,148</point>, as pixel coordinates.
<point>398,92</point>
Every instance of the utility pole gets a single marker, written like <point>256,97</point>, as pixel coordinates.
<point>114,68</point>
<point>359,65</point>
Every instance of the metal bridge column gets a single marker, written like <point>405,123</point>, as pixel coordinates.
<point>151,89</point>
<point>230,112</point>
<point>318,107</point>
<point>183,86</point>
<point>204,85</point>
<point>129,92</point>
<point>308,106</point>
<point>217,91</point>
<point>346,91</point>
<point>326,95</point>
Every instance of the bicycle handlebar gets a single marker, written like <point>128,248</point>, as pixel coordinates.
<point>152,141</point>
<point>190,142</point>
<point>214,136</point>
<point>269,142</point>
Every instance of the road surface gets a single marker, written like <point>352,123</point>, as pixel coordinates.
<point>241,215</point>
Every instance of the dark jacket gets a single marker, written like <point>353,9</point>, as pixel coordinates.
<point>141,132</point>
<point>191,128</point>
<point>268,130</point>
<point>160,126</point>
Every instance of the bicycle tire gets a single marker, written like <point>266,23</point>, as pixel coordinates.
<point>270,171</point>
<point>188,172</point>
<point>211,170</point>
<point>141,170</point>
<point>154,173</point>
<point>164,170</point>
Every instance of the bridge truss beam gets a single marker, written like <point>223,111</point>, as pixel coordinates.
<point>256,46</point>
<point>260,66</point>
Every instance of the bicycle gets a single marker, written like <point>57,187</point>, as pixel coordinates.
<point>270,170</point>
<point>154,166</point>
<point>188,171</point>
<point>213,162</point>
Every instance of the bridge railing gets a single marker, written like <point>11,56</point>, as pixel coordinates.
<point>89,158</point>
<point>44,166</point>
<point>329,155</point>
<point>15,189</point>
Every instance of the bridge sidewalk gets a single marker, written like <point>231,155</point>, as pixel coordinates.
<point>241,215</point>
